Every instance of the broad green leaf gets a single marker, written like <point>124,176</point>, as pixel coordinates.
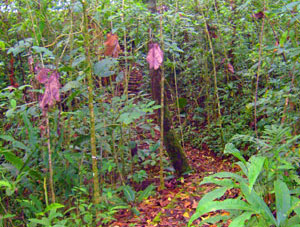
<point>256,165</point>
<point>129,193</point>
<point>243,168</point>
<point>5,184</point>
<point>13,159</point>
<point>81,139</point>
<point>182,102</point>
<point>283,200</point>
<point>212,196</point>
<point>228,204</point>
<point>283,38</point>
<point>146,193</point>
<point>78,60</point>
<point>262,222</point>
<point>120,207</point>
<point>10,113</point>
<point>31,132</point>
<point>71,85</point>
<point>33,142</point>
<point>240,220</point>
<point>233,204</point>
<point>2,45</point>
<point>228,183</point>
<point>62,223</point>
<point>43,50</point>
<point>54,214</point>
<point>291,5</point>
<point>54,206</point>
<point>44,221</point>
<point>295,202</point>
<point>214,219</point>
<point>103,67</point>
<point>257,203</point>
<point>293,221</point>
<point>20,46</point>
<point>15,143</point>
<point>207,198</point>
<point>120,76</point>
<point>7,216</point>
<point>231,149</point>
<point>135,211</point>
<point>234,176</point>
<point>13,103</point>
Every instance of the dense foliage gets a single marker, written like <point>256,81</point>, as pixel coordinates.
<point>75,106</point>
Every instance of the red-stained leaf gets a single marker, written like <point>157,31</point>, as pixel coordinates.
<point>43,75</point>
<point>112,47</point>
<point>52,85</point>
<point>258,15</point>
<point>230,68</point>
<point>155,56</point>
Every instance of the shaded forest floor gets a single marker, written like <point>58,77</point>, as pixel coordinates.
<point>174,205</point>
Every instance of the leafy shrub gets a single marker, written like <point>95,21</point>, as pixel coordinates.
<point>249,208</point>
<point>263,176</point>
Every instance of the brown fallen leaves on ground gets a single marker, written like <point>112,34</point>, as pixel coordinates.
<point>174,205</point>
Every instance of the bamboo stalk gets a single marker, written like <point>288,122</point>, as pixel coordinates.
<point>91,106</point>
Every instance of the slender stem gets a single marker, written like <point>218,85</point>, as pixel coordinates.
<point>162,91</point>
<point>115,153</point>
<point>46,191</point>
<point>50,160</point>
<point>91,106</point>
<point>33,29</point>
<point>125,52</point>
<point>176,86</point>
<point>258,73</point>
<point>291,75</point>
<point>9,219</point>
<point>215,79</point>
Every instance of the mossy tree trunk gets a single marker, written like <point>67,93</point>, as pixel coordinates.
<point>171,141</point>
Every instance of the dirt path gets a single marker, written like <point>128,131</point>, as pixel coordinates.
<point>174,205</point>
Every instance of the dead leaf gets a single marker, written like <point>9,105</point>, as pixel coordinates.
<point>187,204</point>
<point>258,15</point>
<point>230,68</point>
<point>112,47</point>
<point>225,213</point>
<point>43,75</point>
<point>195,204</point>
<point>155,56</point>
<point>51,94</point>
<point>186,215</point>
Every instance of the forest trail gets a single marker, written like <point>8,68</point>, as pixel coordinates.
<point>84,86</point>
<point>174,205</point>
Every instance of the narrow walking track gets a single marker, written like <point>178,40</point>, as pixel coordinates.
<point>174,205</point>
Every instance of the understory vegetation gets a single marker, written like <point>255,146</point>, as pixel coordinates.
<point>105,104</point>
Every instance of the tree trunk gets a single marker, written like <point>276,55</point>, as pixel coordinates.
<point>174,149</point>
